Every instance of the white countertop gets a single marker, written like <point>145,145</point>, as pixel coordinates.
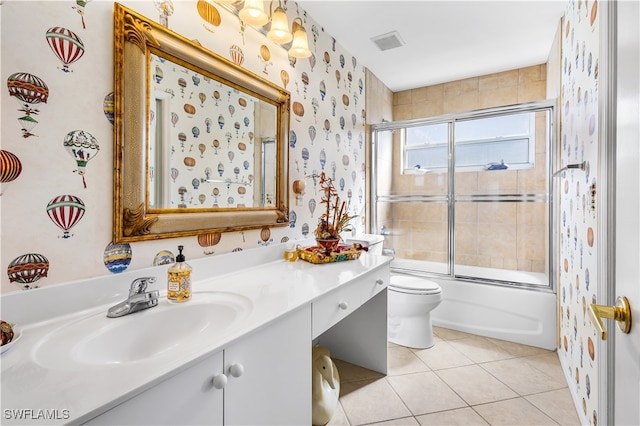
<point>270,290</point>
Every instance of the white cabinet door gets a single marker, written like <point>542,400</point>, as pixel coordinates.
<point>274,387</point>
<point>188,398</point>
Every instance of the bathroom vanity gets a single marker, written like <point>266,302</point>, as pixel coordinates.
<point>238,353</point>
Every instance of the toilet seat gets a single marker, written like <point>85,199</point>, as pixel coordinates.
<point>413,285</point>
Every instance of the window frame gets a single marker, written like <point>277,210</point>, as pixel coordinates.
<point>451,121</point>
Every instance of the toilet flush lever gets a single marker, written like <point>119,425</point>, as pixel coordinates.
<point>621,312</point>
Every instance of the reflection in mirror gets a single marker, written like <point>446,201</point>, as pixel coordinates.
<point>211,145</point>
<point>200,143</point>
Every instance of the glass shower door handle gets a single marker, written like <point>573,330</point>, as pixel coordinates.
<point>621,312</point>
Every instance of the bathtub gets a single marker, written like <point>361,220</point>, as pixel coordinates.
<point>516,314</point>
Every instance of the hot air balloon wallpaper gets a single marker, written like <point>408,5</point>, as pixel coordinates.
<point>82,146</point>
<point>208,241</point>
<point>117,257</point>
<point>79,7</point>
<point>265,56</point>
<point>66,45</point>
<point>65,211</point>
<point>164,257</point>
<point>265,237</point>
<point>28,90</point>
<point>107,107</point>
<point>237,55</point>
<point>10,167</point>
<point>165,7</point>
<point>210,14</point>
<point>284,76</point>
<point>27,269</point>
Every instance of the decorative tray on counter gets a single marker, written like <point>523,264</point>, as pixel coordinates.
<point>317,254</point>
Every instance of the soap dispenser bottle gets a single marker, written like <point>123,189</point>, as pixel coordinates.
<point>179,279</point>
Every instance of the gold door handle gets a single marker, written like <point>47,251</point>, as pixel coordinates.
<point>621,312</point>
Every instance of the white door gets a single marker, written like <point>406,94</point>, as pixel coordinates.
<point>627,213</point>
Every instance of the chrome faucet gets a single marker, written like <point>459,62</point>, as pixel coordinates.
<point>138,299</point>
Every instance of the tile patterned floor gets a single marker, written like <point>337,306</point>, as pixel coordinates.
<point>463,380</point>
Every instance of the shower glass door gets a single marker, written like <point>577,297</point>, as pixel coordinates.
<point>501,205</point>
<point>412,201</point>
<point>488,220</point>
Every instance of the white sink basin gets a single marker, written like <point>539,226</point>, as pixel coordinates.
<point>96,340</point>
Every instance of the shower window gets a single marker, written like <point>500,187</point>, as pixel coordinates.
<point>480,141</point>
<point>446,214</point>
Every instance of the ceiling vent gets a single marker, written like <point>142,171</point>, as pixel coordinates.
<point>388,41</point>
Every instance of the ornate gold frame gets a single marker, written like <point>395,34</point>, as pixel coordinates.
<point>134,37</point>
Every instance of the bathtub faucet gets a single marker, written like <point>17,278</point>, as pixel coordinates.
<point>384,232</point>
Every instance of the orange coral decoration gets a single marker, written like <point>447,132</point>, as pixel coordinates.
<point>336,218</point>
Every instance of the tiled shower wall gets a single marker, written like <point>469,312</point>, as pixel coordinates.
<point>419,231</point>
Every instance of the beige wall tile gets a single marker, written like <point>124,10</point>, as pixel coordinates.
<point>531,242</point>
<point>402,98</point>
<point>466,213</point>
<point>541,132</point>
<point>538,266</point>
<point>533,91</point>
<point>529,74</point>
<point>498,97</point>
<point>505,213</point>
<point>469,85</point>
<point>534,180</point>
<point>508,78</point>
<point>402,112</point>
<point>497,240</point>
<point>435,92</point>
<point>466,239</point>
<point>484,261</point>
<point>419,95</point>
<point>532,213</point>
<point>497,262</point>
<point>466,183</point>
<point>464,102</point>
<point>524,265</point>
<point>497,182</point>
<point>488,82</point>
<point>466,259</point>
<point>453,88</point>
<point>427,109</point>
<point>510,263</point>
<point>428,236</point>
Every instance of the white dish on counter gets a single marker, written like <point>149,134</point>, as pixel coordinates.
<point>16,336</point>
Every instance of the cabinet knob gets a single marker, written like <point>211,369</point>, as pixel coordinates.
<point>343,306</point>
<point>236,370</point>
<point>220,381</point>
<point>379,281</point>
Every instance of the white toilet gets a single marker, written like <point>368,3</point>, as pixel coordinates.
<point>410,302</point>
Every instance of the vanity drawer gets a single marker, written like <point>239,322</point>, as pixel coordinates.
<point>340,303</point>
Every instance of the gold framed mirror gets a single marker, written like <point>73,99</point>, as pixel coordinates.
<point>200,144</point>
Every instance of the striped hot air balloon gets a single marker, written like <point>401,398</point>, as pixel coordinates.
<point>65,211</point>
<point>209,13</point>
<point>10,166</point>
<point>27,88</point>
<point>237,56</point>
<point>207,241</point>
<point>66,45</point>
<point>27,269</point>
<point>117,257</point>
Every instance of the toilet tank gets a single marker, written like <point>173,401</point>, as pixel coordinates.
<point>373,242</point>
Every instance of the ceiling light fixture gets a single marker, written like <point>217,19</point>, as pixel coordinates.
<point>252,12</point>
